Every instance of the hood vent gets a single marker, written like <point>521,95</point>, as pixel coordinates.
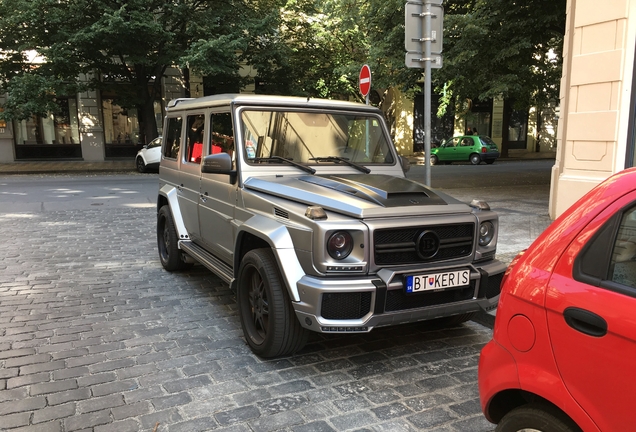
<point>281,213</point>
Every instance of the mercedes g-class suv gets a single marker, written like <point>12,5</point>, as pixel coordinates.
<point>302,206</point>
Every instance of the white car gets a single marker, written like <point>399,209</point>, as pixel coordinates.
<point>149,156</point>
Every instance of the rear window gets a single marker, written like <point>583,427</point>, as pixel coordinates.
<point>487,142</point>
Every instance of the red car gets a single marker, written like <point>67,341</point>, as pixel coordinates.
<point>563,353</point>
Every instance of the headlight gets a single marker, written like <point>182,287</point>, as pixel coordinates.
<point>340,245</point>
<point>486,233</point>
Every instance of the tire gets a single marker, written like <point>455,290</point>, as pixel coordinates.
<point>140,164</point>
<point>434,160</point>
<point>490,161</point>
<point>167,242</point>
<point>453,320</point>
<point>475,159</point>
<point>536,418</point>
<point>269,323</point>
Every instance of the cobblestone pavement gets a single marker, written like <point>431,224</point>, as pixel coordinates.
<point>96,336</point>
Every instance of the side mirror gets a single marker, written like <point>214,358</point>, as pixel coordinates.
<point>406,164</point>
<point>219,163</point>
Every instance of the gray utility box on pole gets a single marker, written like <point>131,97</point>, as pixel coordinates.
<point>414,27</point>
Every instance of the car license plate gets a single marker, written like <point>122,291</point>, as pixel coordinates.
<point>437,281</point>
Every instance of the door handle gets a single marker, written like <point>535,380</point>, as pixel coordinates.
<point>585,321</point>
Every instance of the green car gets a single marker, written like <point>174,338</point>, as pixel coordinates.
<point>472,148</point>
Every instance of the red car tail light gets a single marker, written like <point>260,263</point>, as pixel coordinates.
<point>484,149</point>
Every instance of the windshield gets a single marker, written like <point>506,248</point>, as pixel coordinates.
<point>314,138</point>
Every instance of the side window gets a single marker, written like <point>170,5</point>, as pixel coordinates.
<point>452,143</point>
<point>222,136</point>
<point>194,138</point>
<point>623,263</point>
<point>173,138</point>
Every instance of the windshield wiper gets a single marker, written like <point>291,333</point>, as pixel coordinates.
<point>339,159</point>
<point>305,168</point>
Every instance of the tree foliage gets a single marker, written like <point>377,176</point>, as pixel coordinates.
<point>121,47</point>
<point>299,47</point>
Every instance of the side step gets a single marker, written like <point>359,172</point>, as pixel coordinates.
<point>217,266</point>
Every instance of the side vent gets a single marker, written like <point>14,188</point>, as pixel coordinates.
<point>281,213</point>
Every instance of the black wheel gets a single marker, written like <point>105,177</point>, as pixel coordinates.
<point>141,166</point>
<point>434,160</point>
<point>490,161</point>
<point>475,159</point>
<point>167,242</point>
<point>536,418</point>
<point>269,323</point>
<point>453,320</point>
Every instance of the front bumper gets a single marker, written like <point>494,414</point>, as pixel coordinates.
<point>359,304</point>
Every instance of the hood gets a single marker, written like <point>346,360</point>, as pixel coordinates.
<point>360,195</point>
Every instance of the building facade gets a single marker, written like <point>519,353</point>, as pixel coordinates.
<point>596,137</point>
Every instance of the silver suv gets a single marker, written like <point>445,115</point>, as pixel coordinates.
<point>302,207</point>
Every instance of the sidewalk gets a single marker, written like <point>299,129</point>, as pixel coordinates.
<point>61,166</point>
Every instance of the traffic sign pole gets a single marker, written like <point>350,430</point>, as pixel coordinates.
<point>364,82</point>
<point>420,40</point>
<point>427,91</point>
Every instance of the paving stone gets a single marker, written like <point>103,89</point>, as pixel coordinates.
<point>146,346</point>
<point>276,421</point>
<point>100,403</point>
<point>72,395</point>
<point>119,426</point>
<point>5,354</point>
<point>84,421</point>
<point>237,415</point>
<point>131,410</point>
<point>53,387</point>
<point>26,360</point>
<point>20,381</point>
<point>16,420</point>
<point>54,413</point>
<point>171,400</point>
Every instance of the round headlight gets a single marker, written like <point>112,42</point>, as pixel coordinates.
<point>486,233</point>
<point>340,245</point>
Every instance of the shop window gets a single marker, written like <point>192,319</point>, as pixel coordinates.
<point>61,127</point>
<point>50,137</point>
<point>121,126</point>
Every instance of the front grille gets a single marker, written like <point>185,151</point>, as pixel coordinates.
<point>397,300</point>
<point>398,246</point>
<point>491,286</point>
<point>341,306</point>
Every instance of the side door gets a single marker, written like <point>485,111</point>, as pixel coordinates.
<point>449,150</point>
<point>190,172</point>
<point>590,305</point>
<point>218,193</point>
<point>465,148</point>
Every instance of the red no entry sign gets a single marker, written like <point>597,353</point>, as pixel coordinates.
<point>365,80</point>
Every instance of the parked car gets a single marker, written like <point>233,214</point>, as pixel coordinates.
<point>303,208</point>
<point>149,156</point>
<point>473,148</point>
<point>564,341</point>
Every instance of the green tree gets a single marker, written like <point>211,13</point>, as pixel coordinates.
<point>502,47</point>
<point>123,47</point>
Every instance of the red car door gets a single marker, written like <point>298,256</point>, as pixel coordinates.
<point>591,315</point>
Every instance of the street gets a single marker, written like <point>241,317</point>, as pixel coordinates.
<point>96,336</point>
